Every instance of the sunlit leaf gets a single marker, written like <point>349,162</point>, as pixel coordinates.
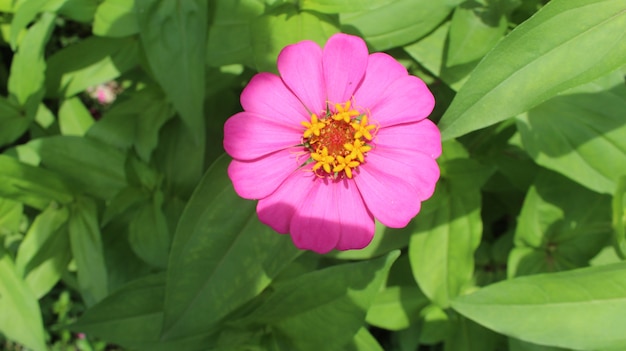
<point>333,6</point>
<point>586,305</point>
<point>567,43</point>
<point>74,118</point>
<point>115,18</point>
<point>396,307</point>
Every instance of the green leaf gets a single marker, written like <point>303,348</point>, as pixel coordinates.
<point>210,241</point>
<point>88,63</point>
<point>74,118</point>
<point>230,36</point>
<point>89,165</point>
<point>30,185</point>
<point>273,31</point>
<point>21,317</point>
<point>10,216</point>
<point>24,12</point>
<point>148,233</point>
<point>44,253</point>
<point>333,6</point>
<point>115,18</point>
<point>134,122</point>
<point>86,244</point>
<point>173,35</point>
<point>326,308</point>
<point>396,307</point>
<point>429,50</point>
<point>583,130</point>
<point>26,80</point>
<point>580,309</point>
<point>448,228</point>
<point>12,122</point>
<point>619,217</point>
<point>398,23</point>
<point>79,10</point>
<point>385,239</point>
<point>466,335</point>
<point>562,226</point>
<point>364,341</point>
<point>565,44</point>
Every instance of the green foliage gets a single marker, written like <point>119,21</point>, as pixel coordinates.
<point>120,229</point>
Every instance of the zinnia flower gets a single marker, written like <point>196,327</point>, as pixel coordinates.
<point>338,139</point>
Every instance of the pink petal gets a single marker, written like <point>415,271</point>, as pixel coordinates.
<point>422,136</point>
<point>248,136</point>
<point>259,178</point>
<point>344,61</point>
<point>300,67</point>
<point>357,222</point>
<point>267,95</point>
<point>394,182</point>
<point>405,100</point>
<point>277,209</point>
<point>382,70</point>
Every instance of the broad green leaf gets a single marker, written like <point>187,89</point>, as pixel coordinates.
<point>562,226</point>
<point>429,50</point>
<point>567,43</point>
<point>44,253</point>
<point>115,18</point>
<point>88,63</point>
<point>230,35</point>
<point>302,308</point>
<point>10,216</point>
<point>12,122</point>
<point>148,233</point>
<point>619,217</point>
<point>580,309</point>
<point>86,244</point>
<point>173,36</point>
<point>74,118</point>
<point>21,317</point>
<point>581,134</point>
<point>398,23</point>
<point>396,307</point>
<point>78,10</point>
<point>210,241</point>
<point>90,166</point>
<point>134,122</point>
<point>466,335</point>
<point>364,341</point>
<point>24,11</point>
<point>474,30</point>
<point>435,325</point>
<point>30,185</point>
<point>132,317</point>
<point>333,6</point>
<point>447,231</point>
<point>26,80</point>
<point>519,345</point>
<point>273,31</point>
<point>385,239</point>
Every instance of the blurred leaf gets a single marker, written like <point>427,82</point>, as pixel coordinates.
<point>89,165</point>
<point>385,239</point>
<point>10,216</point>
<point>26,80</point>
<point>30,185</point>
<point>44,253</point>
<point>89,62</point>
<point>364,341</point>
<point>74,118</point>
<point>435,325</point>
<point>115,18</point>
<point>333,6</point>
<point>396,307</point>
<point>447,231</point>
<point>562,226</point>
<point>21,317</point>
<point>273,31</point>
<point>583,130</point>
<point>79,10</point>
<point>398,23</point>
<point>326,308</point>
<point>148,233</point>
<point>519,345</point>
<point>230,35</point>
<point>527,67</point>
<point>619,217</point>
<point>173,35</point>
<point>12,122</point>
<point>429,50</point>
<point>135,122</point>
<point>86,244</point>
<point>210,242</point>
<point>466,335</point>
<point>580,309</point>
<point>24,12</point>
<point>132,317</point>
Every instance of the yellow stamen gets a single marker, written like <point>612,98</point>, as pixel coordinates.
<point>344,113</point>
<point>323,159</point>
<point>314,127</point>
<point>357,150</point>
<point>362,128</point>
<point>346,164</point>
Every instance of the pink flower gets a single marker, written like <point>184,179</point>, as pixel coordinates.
<point>338,139</point>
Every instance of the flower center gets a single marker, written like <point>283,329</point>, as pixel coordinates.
<point>338,141</point>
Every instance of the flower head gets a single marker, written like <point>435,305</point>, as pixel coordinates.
<point>338,139</point>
